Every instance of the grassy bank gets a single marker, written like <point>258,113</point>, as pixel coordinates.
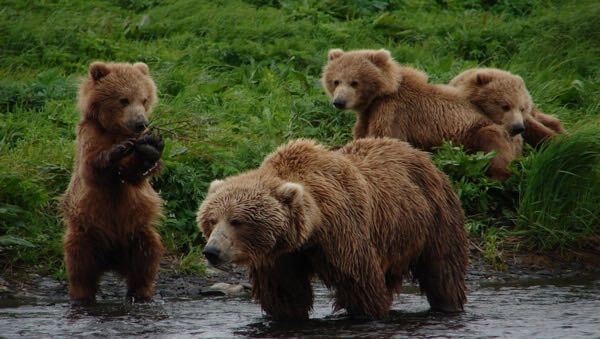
<point>238,78</point>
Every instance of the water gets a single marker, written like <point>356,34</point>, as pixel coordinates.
<point>549,308</point>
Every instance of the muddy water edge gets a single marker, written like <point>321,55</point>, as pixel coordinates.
<point>550,300</point>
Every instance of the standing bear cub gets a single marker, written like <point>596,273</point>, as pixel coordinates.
<point>391,100</point>
<point>109,208</point>
<point>361,219</point>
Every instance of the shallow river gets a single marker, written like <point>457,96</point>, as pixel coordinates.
<point>548,308</point>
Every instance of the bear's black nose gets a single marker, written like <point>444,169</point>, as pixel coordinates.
<point>212,254</point>
<point>140,126</point>
<point>339,103</point>
<point>517,129</point>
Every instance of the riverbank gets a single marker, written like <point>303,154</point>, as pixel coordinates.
<point>172,284</point>
<point>528,299</point>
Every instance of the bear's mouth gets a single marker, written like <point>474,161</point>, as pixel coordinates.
<point>138,126</point>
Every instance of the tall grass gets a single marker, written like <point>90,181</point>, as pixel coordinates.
<point>237,78</point>
<point>560,193</point>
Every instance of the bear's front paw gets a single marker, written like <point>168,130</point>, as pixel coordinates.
<point>122,150</point>
<point>150,146</point>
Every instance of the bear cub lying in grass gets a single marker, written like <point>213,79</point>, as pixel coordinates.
<point>396,101</point>
<point>504,98</point>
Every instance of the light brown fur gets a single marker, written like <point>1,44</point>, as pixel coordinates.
<point>395,101</point>
<point>540,127</point>
<point>110,208</point>
<point>504,98</point>
<point>361,219</point>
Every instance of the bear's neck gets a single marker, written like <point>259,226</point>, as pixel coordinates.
<point>410,82</point>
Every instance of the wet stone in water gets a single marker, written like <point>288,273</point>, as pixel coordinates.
<point>226,289</point>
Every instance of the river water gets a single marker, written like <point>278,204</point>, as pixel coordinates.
<point>538,308</point>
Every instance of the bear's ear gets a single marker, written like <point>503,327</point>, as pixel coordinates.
<point>290,193</point>
<point>334,54</point>
<point>215,185</point>
<point>98,70</point>
<point>380,58</point>
<point>483,78</point>
<point>142,67</point>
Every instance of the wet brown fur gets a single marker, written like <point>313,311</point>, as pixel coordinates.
<point>491,88</point>
<point>361,219</point>
<point>110,208</point>
<point>391,100</point>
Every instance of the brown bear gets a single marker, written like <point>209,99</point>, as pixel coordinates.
<point>110,209</point>
<point>396,101</point>
<point>504,98</point>
<point>360,218</point>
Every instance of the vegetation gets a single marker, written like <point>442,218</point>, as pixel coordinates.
<point>560,198</point>
<point>238,78</point>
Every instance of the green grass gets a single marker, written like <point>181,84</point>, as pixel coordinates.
<point>238,78</point>
<point>560,197</point>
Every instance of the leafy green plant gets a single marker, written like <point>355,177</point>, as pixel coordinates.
<point>492,241</point>
<point>192,262</point>
<point>486,202</point>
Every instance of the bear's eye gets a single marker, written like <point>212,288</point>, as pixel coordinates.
<point>235,222</point>
<point>144,102</point>
<point>506,108</point>
<point>124,101</point>
<point>210,222</point>
<point>336,82</point>
<point>354,84</point>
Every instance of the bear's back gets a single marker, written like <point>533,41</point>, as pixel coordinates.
<point>425,114</point>
<point>333,180</point>
<point>406,191</point>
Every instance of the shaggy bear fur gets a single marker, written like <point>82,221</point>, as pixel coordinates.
<point>395,101</point>
<point>504,98</point>
<point>361,219</point>
<point>109,207</point>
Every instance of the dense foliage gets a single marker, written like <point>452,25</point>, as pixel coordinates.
<point>238,78</point>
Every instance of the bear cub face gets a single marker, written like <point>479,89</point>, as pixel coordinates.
<point>353,79</point>
<point>500,95</point>
<point>119,96</point>
<point>244,219</point>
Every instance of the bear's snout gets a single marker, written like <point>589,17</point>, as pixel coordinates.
<point>212,254</point>
<point>517,128</point>
<point>138,124</point>
<point>339,103</point>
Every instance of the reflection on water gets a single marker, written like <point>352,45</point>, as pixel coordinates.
<point>540,309</point>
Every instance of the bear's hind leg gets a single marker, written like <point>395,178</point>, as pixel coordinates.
<point>441,275</point>
<point>83,268</point>
<point>363,292</point>
<point>142,265</point>
<point>372,299</point>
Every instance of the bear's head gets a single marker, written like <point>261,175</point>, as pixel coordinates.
<point>250,218</point>
<point>500,95</point>
<point>118,96</point>
<point>353,79</point>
